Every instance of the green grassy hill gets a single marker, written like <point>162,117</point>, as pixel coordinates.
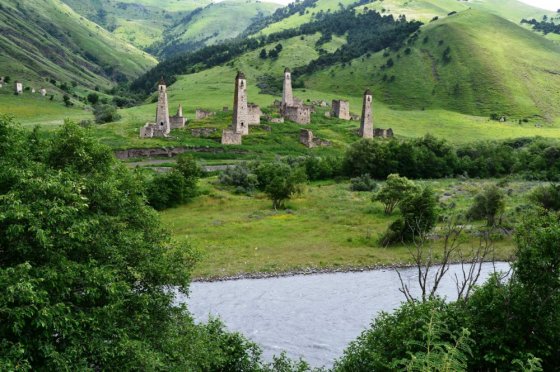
<point>212,24</point>
<point>47,40</point>
<point>518,76</point>
<point>165,28</point>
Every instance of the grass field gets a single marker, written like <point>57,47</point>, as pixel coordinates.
<point>326,227</point>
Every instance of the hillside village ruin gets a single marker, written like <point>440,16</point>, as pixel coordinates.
<point>246,114</point>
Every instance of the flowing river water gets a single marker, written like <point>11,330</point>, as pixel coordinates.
<point>309,316</point>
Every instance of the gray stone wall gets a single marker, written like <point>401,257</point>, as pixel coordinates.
<point>366,124</point>
<point>230,137</point>
<point>341,109</point>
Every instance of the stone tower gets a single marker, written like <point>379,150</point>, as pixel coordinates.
<point>162,111</point>
<point>366,126</point>
<point>287,95</point>
<point>240,110</point>
<point>18,87</point>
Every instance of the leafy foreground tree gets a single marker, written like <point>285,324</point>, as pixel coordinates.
<point>86,272</point>
<point>489,205</point>
<point>395,190</point>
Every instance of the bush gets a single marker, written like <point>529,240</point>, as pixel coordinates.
<point>176,187</point>
<point>547,197</point>
<point>280,181</point>
<point>241,177</point>
<point>395,190</point>
<point>363,183</point>
<point>105,114</point>
<point>93,98</point>
<point>418,217</point>
<point>488,205</point>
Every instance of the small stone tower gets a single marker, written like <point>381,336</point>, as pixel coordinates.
<point>240,110</point>
<point>162,111</point>
<point>287,95</point>
<point>366,126</point>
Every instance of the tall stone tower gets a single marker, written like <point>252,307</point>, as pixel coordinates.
<point>240,111</point>
<point>366,126</point>
<point>162,111</point>
<point>287,95</point>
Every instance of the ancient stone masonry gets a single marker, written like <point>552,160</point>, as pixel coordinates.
<point>178,120</point>
<point>383,133</point>
<point>244,113</point>
<point>203,132</point>
<point>43,92</point>
<point>240,122</point>
<point>18,87</point>
<point>230,137</point>
<point>253,114</point>
<point>366,125</point>
<point>203,114</point>
<point>340,109</point>
<point>164,123</point>
<point>292,109</point>
<point>306,138</point>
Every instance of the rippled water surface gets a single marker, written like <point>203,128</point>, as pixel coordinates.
<point>309,316</point>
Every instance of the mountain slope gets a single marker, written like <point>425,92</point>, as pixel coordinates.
<point>165,28</point>
<point>456,64</point>
<point>212,24</point>
<point>425,10</point>
<point>46,39</point>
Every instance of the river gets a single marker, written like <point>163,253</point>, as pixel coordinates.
<point>308,316</point>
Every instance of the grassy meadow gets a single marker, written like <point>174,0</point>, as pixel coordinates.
<point>326,227</point>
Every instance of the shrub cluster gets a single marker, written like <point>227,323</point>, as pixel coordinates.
<point>429,157</point>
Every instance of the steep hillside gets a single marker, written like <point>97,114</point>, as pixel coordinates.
<point>212,24</point>
<point>46,39</point>
<point>456,64</point>
<point>165,28</point>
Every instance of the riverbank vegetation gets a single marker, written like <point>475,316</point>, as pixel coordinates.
<point>84,257</point>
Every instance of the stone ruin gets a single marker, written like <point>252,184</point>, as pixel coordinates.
<point>292,109</point>
<point>308,140</point>
<point>43,91</point>
<point>383,133</point>
<point>244,114</point>
<point>340,109</point>
<point>18,87</point>
<point>366,124</point>
<point>164,123</point>
<point>33,90</point>
<point>203,114</point>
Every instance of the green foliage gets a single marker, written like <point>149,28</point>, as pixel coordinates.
<point>93,98</point>
<point>488,205</point>
<point>241,177</point>
<point>176,187</point>
<point>280,182</point>
<point>418,217</point>
<point>105,113</point>
<point>363,183</point>
<point>394,191</point>
<point>519,319</point>
<point>404,337</point>
<point>547,197</point>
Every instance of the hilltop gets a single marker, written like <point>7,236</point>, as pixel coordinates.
<point>44,40</point>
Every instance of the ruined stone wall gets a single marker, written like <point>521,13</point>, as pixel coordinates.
<point>230,137</point>
<point>18,87</point>
<point>306,137</point>
<point>177,122</point>
<point>383,133</point>
<point>298,114</point>
<point>341,109</point>
<point>203,114</point>
<point>254,114</point>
